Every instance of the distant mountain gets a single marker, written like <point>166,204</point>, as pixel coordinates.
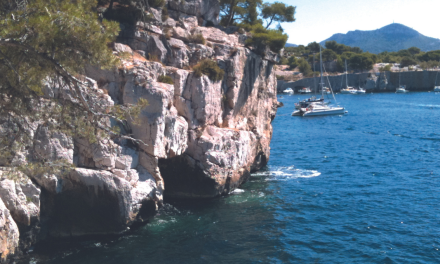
<point>393,37</point>
<point>290,45</point>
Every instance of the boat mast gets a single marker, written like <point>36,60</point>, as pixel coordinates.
<point>399,76</point>
<point>314,80</point>
<point>346,73</point>
<point>320,65</point>
<point>435,84</point>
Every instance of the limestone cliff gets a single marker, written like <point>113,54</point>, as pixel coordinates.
<point>202,138</point>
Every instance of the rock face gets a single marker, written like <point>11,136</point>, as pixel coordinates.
<point>198,138</point>
<point>202,138</point>
<point>8,232</point>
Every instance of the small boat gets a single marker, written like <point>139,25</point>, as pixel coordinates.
<point>306,102</point>
<point>305,90</point>
<point>436,88</point>
<point>289,91</point>
<point>347,89</point>
<point>319,110</point>
<point>317,107</point>
<point>326,90</point>
<point>360,91</point>
<point>401,89</point>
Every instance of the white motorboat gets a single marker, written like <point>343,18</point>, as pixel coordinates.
<point>289,91</point>
<point>326,90</point>
<point>305,90</point>
<point>401,89</point>
<point>319,108</point>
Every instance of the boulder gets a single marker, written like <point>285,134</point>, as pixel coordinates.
<point>198,52</point>
<point>181,33</point>
<point>52,145</point>
<point>98,202</point>
<point>208,10</point>
<point>216,35</point>
<point>21,199</point>
<point>9,234</point>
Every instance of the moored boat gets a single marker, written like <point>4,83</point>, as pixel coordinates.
<point>347,89</point>
<point>306,102</point>
<point>401,89</point>
<point>289,91</point>
<point>326,90</point>
<point>360,91</point>
<point>436,88</point>
<point>319,110</point>
<point>305,90</point>
<point>318,107</point>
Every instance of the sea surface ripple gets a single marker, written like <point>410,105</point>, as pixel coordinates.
<point>358,188</point>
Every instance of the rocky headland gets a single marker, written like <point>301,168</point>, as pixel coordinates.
<point>201,138</point>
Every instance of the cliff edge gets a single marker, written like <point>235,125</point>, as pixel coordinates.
<point>201,138</point>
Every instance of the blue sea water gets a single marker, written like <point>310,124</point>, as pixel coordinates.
<point>358,188</point>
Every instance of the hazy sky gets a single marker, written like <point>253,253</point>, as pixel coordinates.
<point>317,20</point>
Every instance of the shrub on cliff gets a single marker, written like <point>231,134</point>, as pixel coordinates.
<point>209,68</point>
<point>165,79</point>
<point>261,37</point>
<point>197,38</point>
<point>46,44</point>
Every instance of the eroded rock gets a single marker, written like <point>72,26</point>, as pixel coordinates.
<point>9,233</point>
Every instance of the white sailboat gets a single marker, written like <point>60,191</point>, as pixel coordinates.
<point>436,87</point>
<point>347,89</point>
<point>320,108</point>
<point>360,90</point>
<point>401,88</point>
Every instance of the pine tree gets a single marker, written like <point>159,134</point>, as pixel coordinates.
<point>49,42</point>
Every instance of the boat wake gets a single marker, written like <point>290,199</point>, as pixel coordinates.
<point>285,173</point>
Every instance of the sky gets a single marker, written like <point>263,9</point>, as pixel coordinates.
<point>317,20</point>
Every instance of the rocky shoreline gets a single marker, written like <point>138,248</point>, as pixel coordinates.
<point>202,138</point>
<point>372,82</point>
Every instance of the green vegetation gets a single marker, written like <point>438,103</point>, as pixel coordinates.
<point>209,68</point>
<point>165,79</point>
<point>197,38</point>
<point>292,62</point>
<point>262,37</point>
<point>249,15</point>
<point>235,12</point>
<point>304,67</point>
<point>385,68</point>
<point>357,60</point>
<point>49,42</point>
<point>278,12</point>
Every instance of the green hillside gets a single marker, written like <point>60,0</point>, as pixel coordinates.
<point>393,37</point>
